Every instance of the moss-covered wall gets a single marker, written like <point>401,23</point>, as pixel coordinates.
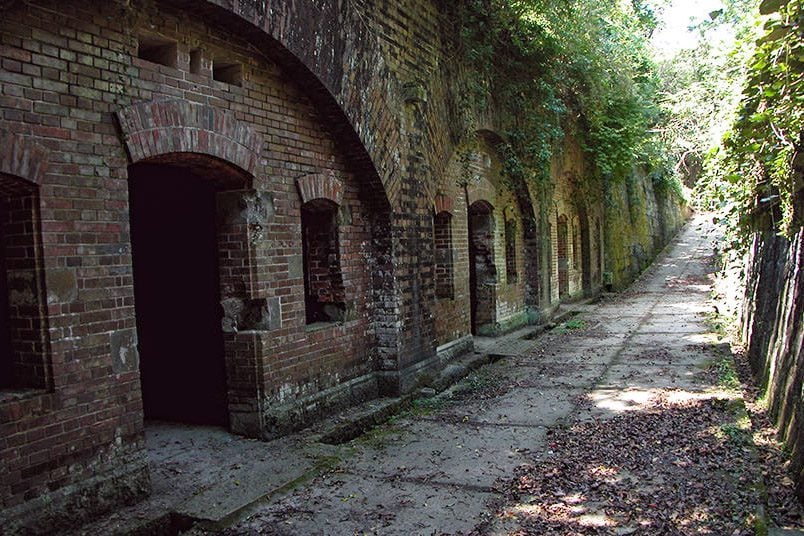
<point>639,221</point>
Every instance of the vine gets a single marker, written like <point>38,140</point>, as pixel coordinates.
<point>552,67</point>
<point>759,151</point>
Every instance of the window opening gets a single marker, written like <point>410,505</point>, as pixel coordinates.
<point>323,282</point>
<point>442,231</point>
<point>157,50</point>
<point>22,309</point>
<point>510,251</point>
<point>227,72</point>
<point>195,61</point>
<point>562,233</point>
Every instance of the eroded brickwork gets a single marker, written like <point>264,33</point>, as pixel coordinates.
<point>346,198</point>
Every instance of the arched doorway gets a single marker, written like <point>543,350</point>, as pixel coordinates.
<point>482,271</point>
<point>177,242</point>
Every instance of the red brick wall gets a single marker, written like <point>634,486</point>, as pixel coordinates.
<point>63,78</point>
<point>23,340</point>
<point>451,313</point>
<point>356,102</point>
<point>444,266</point>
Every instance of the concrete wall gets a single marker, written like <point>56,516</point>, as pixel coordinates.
<point>639,221</point>
<point>772,326</point>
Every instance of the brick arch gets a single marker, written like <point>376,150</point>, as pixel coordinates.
<point>444,203</point>
<point>155,128</point>
<point>320,186</point>
<point>526,203</point>
<point>485,141</point>
<point>329,51</point>
<point>22,157</point>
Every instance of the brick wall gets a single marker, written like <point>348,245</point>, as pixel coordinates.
<point>64,77</point>
<point>351,104</point>
<point>23,340</point>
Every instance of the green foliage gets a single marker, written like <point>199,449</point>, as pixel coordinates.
<point>700,88</point>
<point>580,66</point>
<point>575,323</point>
<point>768,131</point>
<point>749,175</point>
<point>737,434</point>
<point>727,376</point>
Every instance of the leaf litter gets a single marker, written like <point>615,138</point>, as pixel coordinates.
<point>669,469</point>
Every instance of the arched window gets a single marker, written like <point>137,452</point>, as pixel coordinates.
<point>562,246</point>
<point>510,251</point>
<point>442,233</point>
<point>324,295</point>
<point>23,329</point>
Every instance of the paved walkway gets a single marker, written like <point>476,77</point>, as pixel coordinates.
<point>441,468</point>
<point>448,466</point>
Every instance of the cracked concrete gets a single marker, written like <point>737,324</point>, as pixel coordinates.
<point>436,468</point>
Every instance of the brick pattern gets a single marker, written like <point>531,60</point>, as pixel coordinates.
<point>176,126</point>
<point>23,340</point>
<point>443,203</point>
<point>318,186</point>
<point>444,269</point>
<point>483,271</point>
<point>73,73</point>
<point>511,273</point>
<point>20,156</point>
<point>562,254</point>
<point>452,314</point>
<point>356,103</point>
<point>323,278</point>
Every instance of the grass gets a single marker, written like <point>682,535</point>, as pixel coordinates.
<point>571,325</point>
<point>727,376</point>
<point>422,407</point>
<point>737,433</point>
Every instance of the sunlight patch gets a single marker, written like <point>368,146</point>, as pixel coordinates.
<point>619,401</point>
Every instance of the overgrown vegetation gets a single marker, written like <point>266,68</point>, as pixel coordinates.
<point>753,85</point>
<point>579,66</point>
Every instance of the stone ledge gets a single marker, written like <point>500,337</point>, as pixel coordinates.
<point>68,507</point>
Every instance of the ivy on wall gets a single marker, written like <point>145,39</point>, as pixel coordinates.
<point>756,159</point>
<point>577,66</point>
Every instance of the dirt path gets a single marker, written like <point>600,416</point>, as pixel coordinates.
<point>617,422</point>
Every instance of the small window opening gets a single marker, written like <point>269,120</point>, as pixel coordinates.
<point>157,50</point>
<point>195,61</point>
<point>576,246</point>
<point>323,281</point>
<point>510,251</point>
<point>227,72</point>
<point>442,232</point>
<point>22,304</point>
<point>562,246</point>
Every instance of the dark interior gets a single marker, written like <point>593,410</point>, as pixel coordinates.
<point>176,288</point>
<point>5,333</point>
<point>481,265</point>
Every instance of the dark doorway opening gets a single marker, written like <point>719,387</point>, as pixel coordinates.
<point>177,293</point>
<point>482,271</point>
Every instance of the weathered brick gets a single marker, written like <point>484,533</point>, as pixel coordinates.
<point>289,135</point>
